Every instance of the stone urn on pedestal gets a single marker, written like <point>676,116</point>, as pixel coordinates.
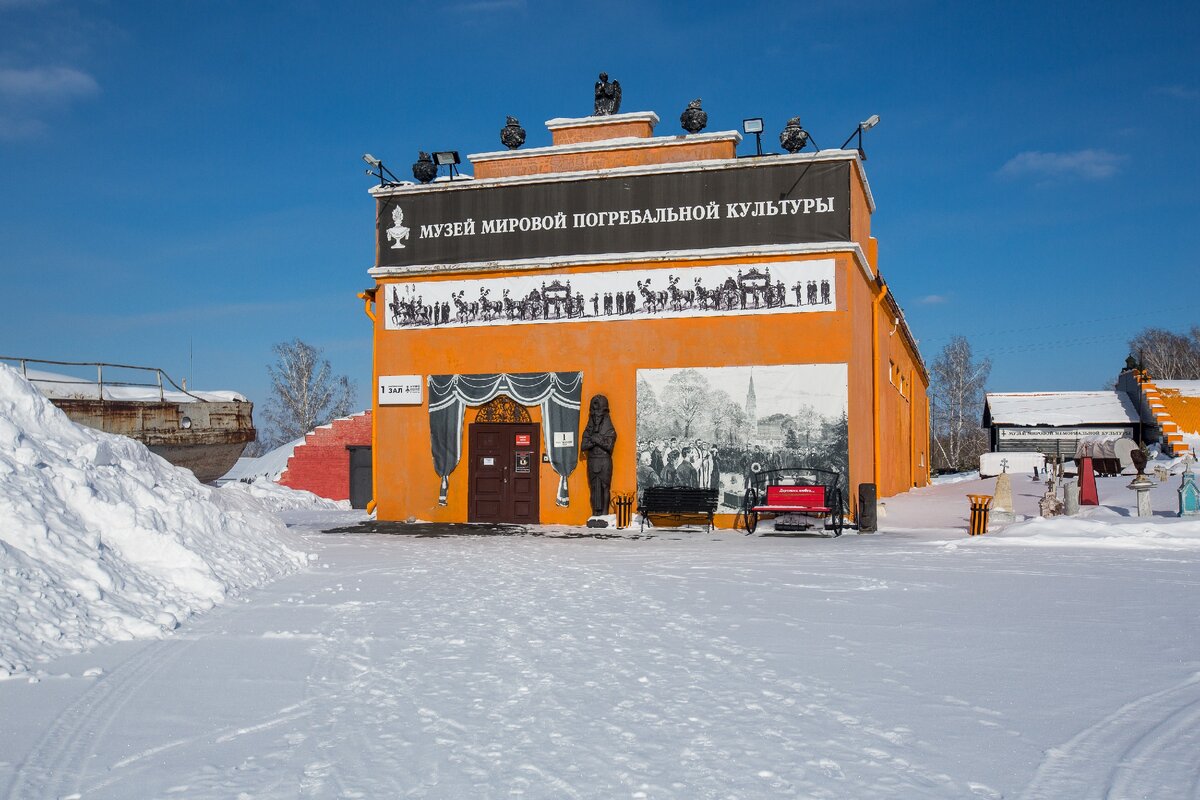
<point>1141,484</point>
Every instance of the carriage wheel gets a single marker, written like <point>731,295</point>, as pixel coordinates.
<point>749,515</point>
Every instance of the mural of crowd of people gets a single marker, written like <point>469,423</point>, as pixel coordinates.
<point>714,427</point>
<point>693,291</point>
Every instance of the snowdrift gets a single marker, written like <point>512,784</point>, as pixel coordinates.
<point>283,498</point>
<point>100,540</point>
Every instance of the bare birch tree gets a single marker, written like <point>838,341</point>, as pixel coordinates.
<point>957,396</point>
<point>304,392</point>
<point>1168,356</point>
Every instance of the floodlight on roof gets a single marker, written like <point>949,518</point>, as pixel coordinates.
<point>378,170</point>
<point>754,125</point>
<point>865,125</point>
<point>446,158</point>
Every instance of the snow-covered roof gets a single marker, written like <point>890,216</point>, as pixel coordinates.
<point>1060,408</point>
<point>1185,388</point>
<point>70,387</point>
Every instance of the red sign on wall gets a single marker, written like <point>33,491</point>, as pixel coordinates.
<point>522,440</point>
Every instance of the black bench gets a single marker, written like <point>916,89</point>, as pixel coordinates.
<point>677,502</point>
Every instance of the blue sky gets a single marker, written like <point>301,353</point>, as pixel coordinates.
<point>181,183</point>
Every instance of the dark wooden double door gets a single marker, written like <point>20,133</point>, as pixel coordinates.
<point>503,472</point>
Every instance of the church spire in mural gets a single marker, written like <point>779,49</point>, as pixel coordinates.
<point>751,410</point>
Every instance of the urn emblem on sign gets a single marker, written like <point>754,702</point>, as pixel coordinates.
<point>793,137</point>
<point>424,169</point>
<point>693,119</point>
<point>512,135</point>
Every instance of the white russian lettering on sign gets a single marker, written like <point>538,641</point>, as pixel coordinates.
<point>1060,433</point>
<point>401,390</point>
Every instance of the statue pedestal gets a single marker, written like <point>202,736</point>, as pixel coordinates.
<point>1142,485</point>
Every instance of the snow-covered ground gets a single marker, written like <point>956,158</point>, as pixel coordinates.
<point>906,664</point>
<point>1054,659</point>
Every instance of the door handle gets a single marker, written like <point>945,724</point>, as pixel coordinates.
<point>506,474</point>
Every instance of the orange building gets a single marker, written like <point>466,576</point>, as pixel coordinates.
<point>730,309</point>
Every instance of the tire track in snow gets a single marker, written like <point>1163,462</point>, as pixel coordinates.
<point>56,765</point>
<point>1146,748</point>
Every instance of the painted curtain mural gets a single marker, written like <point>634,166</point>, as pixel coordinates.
<point>709,426</point>
<point>724,290</point>
<point>557,393</point>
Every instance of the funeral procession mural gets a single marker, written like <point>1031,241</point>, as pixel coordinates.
<point>714,427</point>
<point>726,290</point>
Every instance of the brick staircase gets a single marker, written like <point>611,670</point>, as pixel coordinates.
<point>321,464</point>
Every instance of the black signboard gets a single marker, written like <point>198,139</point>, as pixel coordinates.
<point>756,204</point>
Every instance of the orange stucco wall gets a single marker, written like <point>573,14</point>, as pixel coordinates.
<point>609,354</point>
<point>604,159</point>
<point>641,129</point>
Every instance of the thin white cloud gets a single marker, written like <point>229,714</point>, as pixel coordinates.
<point>1179,92</point>
<point>933,299</point>
<point>1088,164</point>
<point>45,84</point>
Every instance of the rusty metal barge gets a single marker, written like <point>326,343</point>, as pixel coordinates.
<point>204,432</point>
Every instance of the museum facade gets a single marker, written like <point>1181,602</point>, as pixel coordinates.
<point>730,310</point>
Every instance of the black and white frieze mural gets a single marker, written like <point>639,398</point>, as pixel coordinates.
<point>726,290</point>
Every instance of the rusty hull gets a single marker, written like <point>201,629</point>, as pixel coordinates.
<point>218,433</point>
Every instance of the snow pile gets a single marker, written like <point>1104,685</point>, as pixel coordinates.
<point>281,498</point>
<point>269,465</point>
<point>1156,533</point>
<point>100,540</point>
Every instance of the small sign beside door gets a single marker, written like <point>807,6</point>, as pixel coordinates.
<point>524,459</point>
<point>564,438</point>
<point>400,390</point>
<point>522,440</point>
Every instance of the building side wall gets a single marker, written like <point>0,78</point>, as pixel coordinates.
<point>322,464</point>
<point>609,354</point>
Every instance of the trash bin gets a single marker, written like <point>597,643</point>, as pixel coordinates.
<point>981,504</point>
<point>622,504</point>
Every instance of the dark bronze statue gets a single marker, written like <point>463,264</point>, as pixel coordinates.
<point>596,445</point>
<point>1138,457</point>
<point>512,135</point>
<point>608,96</point>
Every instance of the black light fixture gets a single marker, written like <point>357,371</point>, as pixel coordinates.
<point>448,158</point>
<point>865,125</point>
<point>379,170</point>
<point>754,125</point>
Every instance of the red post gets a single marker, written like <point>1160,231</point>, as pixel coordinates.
<point>1087,483</point>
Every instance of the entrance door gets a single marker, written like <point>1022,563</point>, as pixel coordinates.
<point>360,476</point>
<point>503,472</point>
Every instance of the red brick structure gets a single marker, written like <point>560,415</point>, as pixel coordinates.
<point>321,464</point>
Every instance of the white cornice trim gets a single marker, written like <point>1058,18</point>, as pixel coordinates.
<point>531,264</point>
<point>649,169</point>
<point>620,143</point>
<point>559,123</point>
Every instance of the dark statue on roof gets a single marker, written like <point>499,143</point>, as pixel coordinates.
<point>694,118</point>
<point>608,96</point>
